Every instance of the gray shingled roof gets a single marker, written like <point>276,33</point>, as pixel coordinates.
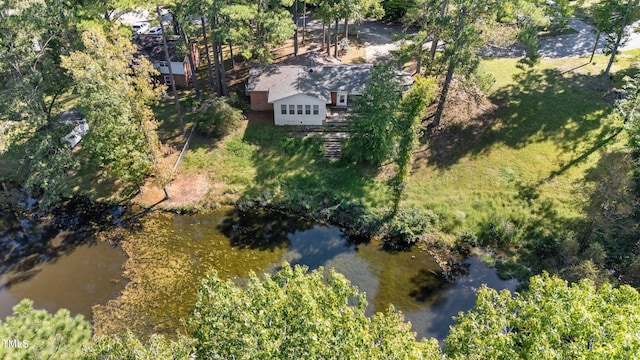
<point>151,47</point>
<point>317,81</point>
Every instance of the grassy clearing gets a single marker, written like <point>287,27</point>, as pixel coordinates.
<point>516,172</point>
<point>530,161</point>
<point>262,161</point>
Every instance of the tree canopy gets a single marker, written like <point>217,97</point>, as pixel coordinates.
<point>296,314</point>
<point>319,315</point>
<point>41,335</point>
<point>551,320</point>
<point>371,123</point>
<point>115,93</point>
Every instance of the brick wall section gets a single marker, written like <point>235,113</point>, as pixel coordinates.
<point>259,101</point>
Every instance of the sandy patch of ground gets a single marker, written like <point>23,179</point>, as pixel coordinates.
<point>185,190</point>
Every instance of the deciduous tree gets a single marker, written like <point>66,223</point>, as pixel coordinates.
<point>551,320</point>
<point>461,44</point>
<point>408,123</point>
<point>115,93</point>
<point>33,37</point>
<point>372,123</point>
<point>36,334</point>
<point>612,17</point>
<point>295,314</point>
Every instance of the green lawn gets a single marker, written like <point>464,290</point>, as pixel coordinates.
<point>528,164</point>
<point>262,161</point>
<point>525,167</point>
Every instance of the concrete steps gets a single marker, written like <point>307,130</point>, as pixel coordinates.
<point>333,144</point>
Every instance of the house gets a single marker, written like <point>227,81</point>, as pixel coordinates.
<point>80,127</point>
<point>303,95</point>
<point>151,47</point>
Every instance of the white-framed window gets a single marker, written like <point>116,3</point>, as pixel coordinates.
<point>316,109</point>
<point>292,109</point>
<point>283,109</point>
<point>307,109</point>
<point>163,63</point>
<point>299,109</point>
<point>342,98</point>
<point>167,79</point>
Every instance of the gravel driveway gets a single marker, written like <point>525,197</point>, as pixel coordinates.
<point>377,36</point>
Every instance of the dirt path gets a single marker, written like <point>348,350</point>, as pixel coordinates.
<point>185,190</point>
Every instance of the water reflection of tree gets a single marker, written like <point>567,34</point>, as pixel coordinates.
<point>34,238</point>
<point>427,286</point>
<point>261,230</point>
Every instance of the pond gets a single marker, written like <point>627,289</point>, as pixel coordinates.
<point>55,267</point>
<point>169,255</point>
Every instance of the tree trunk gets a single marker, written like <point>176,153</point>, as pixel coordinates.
<point>595,46</point>
<point>434,35</point>
<point>346,28</point>
<point>233,61</point>
<point>192,66</point>
<point>620,35</point>
<point>304,19</point>
<point>176,26</point>
<point>335,45</point>
<point>295,33</point>
<point>327,38</point>
<point>206,49</point>
<point>419,59</point>
<point>223,72</point>
<point>173,83</point>
<point>216,62</point>
<point>443,94</point>
<point>49,109</point>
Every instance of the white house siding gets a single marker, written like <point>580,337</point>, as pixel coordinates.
<point>296,118</point>
<point>177,68</point>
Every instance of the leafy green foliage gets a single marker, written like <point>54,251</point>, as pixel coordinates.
<point>629,111</point>
<point>462,38</point>
<point>115,93</point>
<point>130,348</point>
<point>408,226</point>
<point>612,17</point>
<point>48,163</point>
<point>33,37</point>
<point>395,9</point>
<point>409,120</point>
<point>295,314</point>
<point>371,124</point>
<point>218,119</point>
<point>551,320</point>
<point>41,335</point>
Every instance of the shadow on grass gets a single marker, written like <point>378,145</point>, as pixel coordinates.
<point>293,172</point>
<point>611,209</point>
<point>541,105</point>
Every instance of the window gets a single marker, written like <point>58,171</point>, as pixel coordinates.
<point>316,109</point>
<point>283,109</point>
<point>299,109</point>
<point>163,63</point>
<point>307,109</point>
<point>341,99</point>
<point>292,109</point>
<point>167,80</point>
